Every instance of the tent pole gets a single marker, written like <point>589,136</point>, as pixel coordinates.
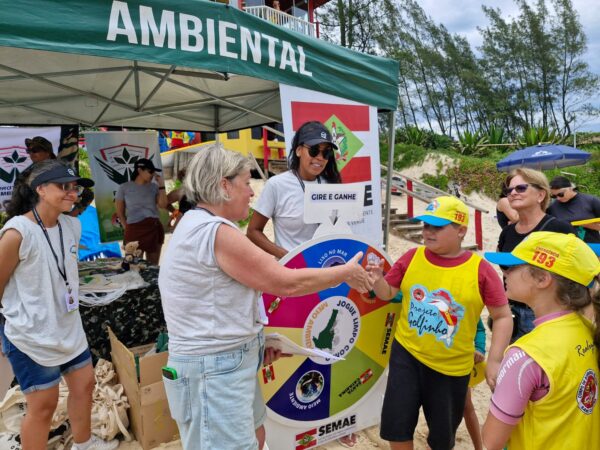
<point>390,172</point>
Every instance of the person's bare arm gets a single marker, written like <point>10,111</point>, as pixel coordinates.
<point>9,255</point>
<point>161,199</point>
<point>256,233</point>
<point>504,206</point>
<point>259,270</point>
<point>495,433</point>
<point>503,326</point>
<point>175,195</point>
<point>120,208</point>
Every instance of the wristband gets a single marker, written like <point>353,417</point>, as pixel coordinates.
<point>161,187</point>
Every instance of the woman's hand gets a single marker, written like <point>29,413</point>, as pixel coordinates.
<point>358,278</point>
<point>272,355</point>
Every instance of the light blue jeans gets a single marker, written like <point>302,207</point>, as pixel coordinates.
<point>216,399</point>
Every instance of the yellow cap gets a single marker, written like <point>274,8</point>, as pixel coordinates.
<point>562,254</point>
<point>444,210</point>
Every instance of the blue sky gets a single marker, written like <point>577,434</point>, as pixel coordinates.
<point>464,16</point>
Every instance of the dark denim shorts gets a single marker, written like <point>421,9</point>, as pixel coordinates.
<point>33,376</point>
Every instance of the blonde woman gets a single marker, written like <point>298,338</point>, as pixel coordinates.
<point>528,193</point>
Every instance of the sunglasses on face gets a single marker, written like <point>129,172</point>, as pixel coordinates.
<point>519,188</point>
<point>559,195</point>
<point>70,187</point>
<point>34,150</point>
<point>315,150</point>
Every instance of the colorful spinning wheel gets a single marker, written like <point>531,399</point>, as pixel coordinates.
<point>339,320</point>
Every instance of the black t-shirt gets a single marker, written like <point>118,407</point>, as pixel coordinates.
<point>502,219</point>
<point>510,238</point>
<point>580,207</point>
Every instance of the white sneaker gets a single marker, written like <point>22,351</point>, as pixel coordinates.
<point>97,444</point>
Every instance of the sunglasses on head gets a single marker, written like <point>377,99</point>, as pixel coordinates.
<point>519,188</point>
<point>559,195</point>
<point>315,150</point>
<point>70,187</point>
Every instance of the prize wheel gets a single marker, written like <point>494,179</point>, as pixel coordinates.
<point>338,320</point>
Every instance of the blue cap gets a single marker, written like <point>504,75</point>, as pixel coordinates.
<point>503,259</point>
<point>431,220</point>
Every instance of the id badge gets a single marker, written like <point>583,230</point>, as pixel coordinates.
<point>72,299</point>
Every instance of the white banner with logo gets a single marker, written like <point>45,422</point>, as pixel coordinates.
<point>13,155</point>
<point>354,128</point>
<point>112,156</point>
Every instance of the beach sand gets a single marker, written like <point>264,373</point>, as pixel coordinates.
<point>369,438</point>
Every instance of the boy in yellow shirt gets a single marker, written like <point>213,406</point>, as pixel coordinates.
<point>445,289</point>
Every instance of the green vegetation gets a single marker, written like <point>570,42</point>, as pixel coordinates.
<point>479,173</point>
<point>84,164</point>
<point>530,71</point>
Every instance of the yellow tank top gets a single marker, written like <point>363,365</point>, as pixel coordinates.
<point>439,315</point>
<point>567,417</point>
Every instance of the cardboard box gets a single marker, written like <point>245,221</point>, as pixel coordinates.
<point>149,414</point>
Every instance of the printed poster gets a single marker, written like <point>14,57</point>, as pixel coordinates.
<point>312,400</point>
<point>14,158</point>
<point>112,156</point>
<point>354,128</point>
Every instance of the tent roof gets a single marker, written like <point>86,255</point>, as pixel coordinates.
<point>178,64</point>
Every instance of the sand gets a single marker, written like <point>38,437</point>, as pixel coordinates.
<point>369,438</point>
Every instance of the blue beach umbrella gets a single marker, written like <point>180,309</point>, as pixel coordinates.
<point>543,157</point>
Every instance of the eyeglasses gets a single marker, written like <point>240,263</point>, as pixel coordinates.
<point>520,188</point>
<point>315,150</point>
<point>70,187</point>
<point>559,195</point>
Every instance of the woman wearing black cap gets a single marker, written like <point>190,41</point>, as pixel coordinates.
<point>311,160</point>
<point>137,204</point>
<point>41,334</point>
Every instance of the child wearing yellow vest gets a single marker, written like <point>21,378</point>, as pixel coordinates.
<point>547,390</point>
<point>445,289</point>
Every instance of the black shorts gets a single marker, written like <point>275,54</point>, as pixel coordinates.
<point>411,384</point>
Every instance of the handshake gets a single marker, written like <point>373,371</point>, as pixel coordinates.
<point>364,279</point>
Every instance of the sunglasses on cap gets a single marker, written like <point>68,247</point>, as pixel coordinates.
<point>559,195</point>
<point>315,150</point>
<point>520,188</point>
<point>70,187</point>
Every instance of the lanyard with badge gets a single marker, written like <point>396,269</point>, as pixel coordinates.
<point>71,297</point>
